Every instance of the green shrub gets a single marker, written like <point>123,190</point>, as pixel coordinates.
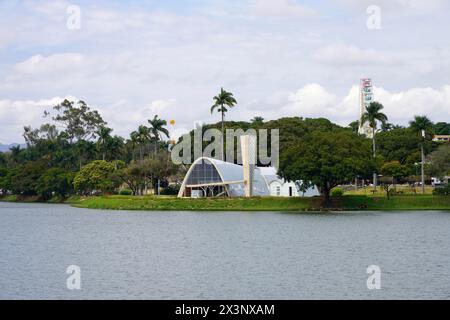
<point>337,192</point>
<point>171,189</point>
<point>126,192</point>
<point>442,191</point>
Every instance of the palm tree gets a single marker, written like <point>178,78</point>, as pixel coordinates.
<point>157,127</point>
<point>223,100</point>
<point>257,120</point>
<point>134,140</point>
<point>372,115</point>
<point>141,136</point>
<point>15,153</point>
<point>104,136</point>
<point>424,127</point>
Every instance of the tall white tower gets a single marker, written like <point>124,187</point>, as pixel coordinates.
<point>366,97</point>
<point>248,148</point>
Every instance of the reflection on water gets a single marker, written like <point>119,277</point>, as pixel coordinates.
<point>221,255</point>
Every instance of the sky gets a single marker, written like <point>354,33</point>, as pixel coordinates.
<point>134,59</point>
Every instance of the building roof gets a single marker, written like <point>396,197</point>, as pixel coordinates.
<point>229,172</point>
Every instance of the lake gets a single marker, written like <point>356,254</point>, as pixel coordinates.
<point>221,255</point>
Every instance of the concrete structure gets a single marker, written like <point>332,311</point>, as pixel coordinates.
<point>366,97</point>
<point>248,147</point>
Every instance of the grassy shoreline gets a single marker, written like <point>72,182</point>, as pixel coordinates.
<point>166,203</point>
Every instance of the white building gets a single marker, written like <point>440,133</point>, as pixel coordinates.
<point>208,177</point>
<point>279,187</point>
<point>366,97</point>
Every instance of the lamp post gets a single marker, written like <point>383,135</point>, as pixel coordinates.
<point>423,163</point>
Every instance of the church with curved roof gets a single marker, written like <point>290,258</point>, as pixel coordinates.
<point>209,177</point>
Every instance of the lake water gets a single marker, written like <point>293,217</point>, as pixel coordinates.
<point>221,255</point>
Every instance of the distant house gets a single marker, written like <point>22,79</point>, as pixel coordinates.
<point>441,137</point>
<point>279,187</point>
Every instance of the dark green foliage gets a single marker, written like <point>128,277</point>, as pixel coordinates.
<point>442,128</point>
<point>171,189</point>
<point>125,192</point>
<point>400,145</point>
<point>439,162</point>
<point>55,181</point>
<point>24,179</point>
<point>327,160</point>
<point>337,192</point>
<point>442,191</point>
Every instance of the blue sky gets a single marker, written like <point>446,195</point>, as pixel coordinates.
<point>134,59</point>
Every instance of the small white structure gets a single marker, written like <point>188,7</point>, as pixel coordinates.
<point>278,187</point>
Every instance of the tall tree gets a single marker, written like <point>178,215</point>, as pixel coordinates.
<point>373,115</point>
<point>157,128</point>
<point>79,121</point>
<point>440,161</point>
<point>424,128</point>
<point>104,137</point>
<point>17,155</point>
<point>326,160</point>
<point>142,136</point>
<point>221,103</point>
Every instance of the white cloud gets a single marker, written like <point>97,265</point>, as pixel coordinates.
<point>341,54</point>
<point>133,62</point>
<point>281,8</point>
<point>15,114</point>
<point>39,64</point>
<point>416,7</point>
<point>312,100</point>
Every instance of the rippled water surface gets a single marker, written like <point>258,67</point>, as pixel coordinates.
<point>221,255</point>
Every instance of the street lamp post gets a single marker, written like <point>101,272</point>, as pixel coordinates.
<point>423,163</point>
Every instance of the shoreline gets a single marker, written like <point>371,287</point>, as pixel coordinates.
<point>274,204</point>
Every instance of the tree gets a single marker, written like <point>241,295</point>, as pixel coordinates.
<point>400,145</point>
<point>138,174</point>
<point>2,159</point>
<point>16,155</point>
<point>440,162</point>
<point>326,160</point>
<point>133,176</point>
<point>354,125</point>
<point>55,181</point>
<point>84,151</point>
<point>160,168</point>
<point>373,115</point>
<point>45,132</point>
<point>3,182</point>
<point>257,121</point>
<point>223,100</point>
<point>24,179</point>
<point>442,128</point>
<point>395,170</point>
<point>142,136</point>
<point>95,176</point>
<point>423,127</point>
<point>157,127</point>
<point>79,121</point>
<point>104,137</point>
